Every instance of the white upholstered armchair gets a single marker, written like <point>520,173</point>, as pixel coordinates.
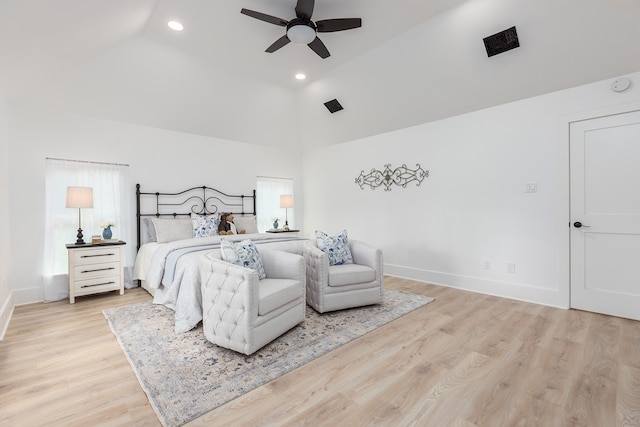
<point>347,285</point>
<point>242,312</point>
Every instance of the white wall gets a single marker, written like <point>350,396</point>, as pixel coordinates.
<point>159,160</point>
<point>472,208</point>
<point>6,302</point>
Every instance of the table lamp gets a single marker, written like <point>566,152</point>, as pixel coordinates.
<point>286,202</point>
<point>79,197</point>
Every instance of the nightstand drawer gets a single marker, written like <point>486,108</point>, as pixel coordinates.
<point>94,256</point>
<point>83,272</point>
<point>99,284</point>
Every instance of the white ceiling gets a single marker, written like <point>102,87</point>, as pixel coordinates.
<point>413,61</point>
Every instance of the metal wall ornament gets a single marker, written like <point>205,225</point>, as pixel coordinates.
<point>401,176</point>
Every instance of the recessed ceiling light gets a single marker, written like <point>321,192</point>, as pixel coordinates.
<point>175,26</point>
<point>300,76</point>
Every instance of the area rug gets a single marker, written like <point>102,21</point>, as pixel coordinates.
<point>185,376</point>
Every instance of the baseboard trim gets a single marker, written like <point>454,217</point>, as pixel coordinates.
<point>511,290</point>
<point>27,296</point>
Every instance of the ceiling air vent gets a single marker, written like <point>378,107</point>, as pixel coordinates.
<point>501,42</point>
<point>333,106</point>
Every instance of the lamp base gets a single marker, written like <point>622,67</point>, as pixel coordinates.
<point>80,240</point>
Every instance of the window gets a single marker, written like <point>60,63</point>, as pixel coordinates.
<point>110,203</point>
<point>268,192</point>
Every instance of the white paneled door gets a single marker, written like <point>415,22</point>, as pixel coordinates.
<point>605,215</point>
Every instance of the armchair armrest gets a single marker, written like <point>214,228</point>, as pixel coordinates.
<point>231,287</point>
<point>317,265</point>
<point>365,254</point>
<point>282,265</point>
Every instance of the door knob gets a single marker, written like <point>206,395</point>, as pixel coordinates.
<point>578,224</point>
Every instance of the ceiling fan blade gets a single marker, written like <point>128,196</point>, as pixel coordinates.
<point>304,9</point>
<point>282,41</point>
<point>331,25</point>
<point>264,17</point>
<point>318,47</point>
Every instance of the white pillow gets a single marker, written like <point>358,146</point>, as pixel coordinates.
<point>247,223</point>
<point>170,230</point>
<point>244,254</point>
<point>204,225</point>
<point>148,230</point>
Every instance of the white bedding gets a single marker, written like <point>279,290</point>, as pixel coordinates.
<point>178,287</point>
<point>143,260</point>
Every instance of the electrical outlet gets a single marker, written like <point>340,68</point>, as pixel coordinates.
<point>511,267</point>
<point>531,187</point>
<point>487,265</point>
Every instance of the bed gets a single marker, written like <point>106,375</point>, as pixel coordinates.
<point>174,230</point>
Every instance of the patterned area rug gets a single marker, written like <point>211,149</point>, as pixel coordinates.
<point>185,376</point>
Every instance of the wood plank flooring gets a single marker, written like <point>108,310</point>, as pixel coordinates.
<point>466,359</point>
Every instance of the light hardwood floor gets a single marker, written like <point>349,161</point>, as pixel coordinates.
<point>464,360</point>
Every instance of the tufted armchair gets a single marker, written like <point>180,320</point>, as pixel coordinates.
<point>337,287</point>
<point>243,313</point>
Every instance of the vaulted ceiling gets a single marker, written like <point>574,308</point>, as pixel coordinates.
<point>411,62</point>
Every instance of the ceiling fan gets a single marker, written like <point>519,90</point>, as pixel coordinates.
<point>302,30</point>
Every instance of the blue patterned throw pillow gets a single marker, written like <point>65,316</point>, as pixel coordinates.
<point>336,247</point>
<point>244,254</point>
<point>204,225</point>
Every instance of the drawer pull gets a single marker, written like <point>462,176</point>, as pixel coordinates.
<point>93,256</point>
<point>98,269</point>
<point>97,284</point>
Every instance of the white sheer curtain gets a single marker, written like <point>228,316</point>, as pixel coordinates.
<point>268,191</point>
<point>111,188</point>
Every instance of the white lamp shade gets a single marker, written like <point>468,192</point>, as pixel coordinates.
<point>286,201</point>
<point>79,197</point>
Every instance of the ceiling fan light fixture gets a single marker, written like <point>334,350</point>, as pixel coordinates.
<point>301,34</point>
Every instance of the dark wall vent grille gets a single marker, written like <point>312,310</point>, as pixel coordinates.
<point>333,106</point>
<point>501,42</point>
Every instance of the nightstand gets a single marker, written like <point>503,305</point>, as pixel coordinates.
<point>282,230</point>
<point>95,268</point>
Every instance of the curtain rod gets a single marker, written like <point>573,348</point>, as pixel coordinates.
<point>87,161</point>
<point>274,177</point>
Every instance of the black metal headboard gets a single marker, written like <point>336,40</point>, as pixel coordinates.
<point>201,200</point>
